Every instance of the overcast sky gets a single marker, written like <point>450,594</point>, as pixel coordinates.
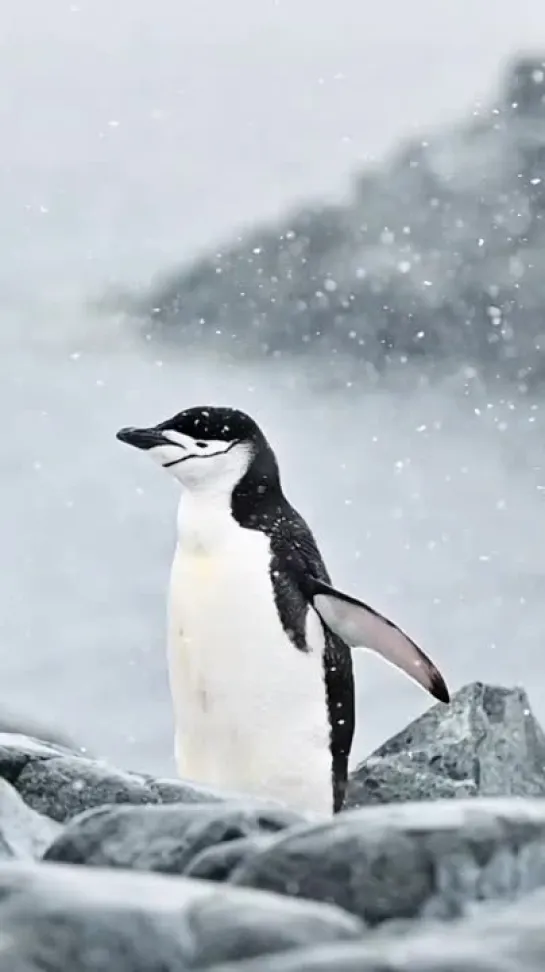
<point>142,129</point>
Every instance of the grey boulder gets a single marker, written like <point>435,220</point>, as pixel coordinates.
<point>60,783</point>
<point>64,918</point>
<point>405,861</point>
<point>17,751</point>
<point>217,863</point>
<point>168,839</point>
<point>511,939</point>
<point>64,786</point>
<point>23,832</point>
<point>487,742</point>
<point>400,780</point>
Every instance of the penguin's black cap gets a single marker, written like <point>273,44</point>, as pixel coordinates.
<point>203,422</point>
<point>212,422</point>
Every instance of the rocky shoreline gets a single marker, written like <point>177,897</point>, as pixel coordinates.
<point>438,862</point>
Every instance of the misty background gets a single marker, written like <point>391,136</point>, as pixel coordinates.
<point>136,135</point>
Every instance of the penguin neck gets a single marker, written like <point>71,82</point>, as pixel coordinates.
<point>208,520</point>
<point>204,521</point>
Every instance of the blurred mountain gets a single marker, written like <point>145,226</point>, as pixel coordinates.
<point>438,255</point>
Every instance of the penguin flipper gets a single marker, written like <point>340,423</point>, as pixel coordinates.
<point>360,626</point>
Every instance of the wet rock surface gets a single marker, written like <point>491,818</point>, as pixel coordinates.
<point>167,839</point>
<point>60,784</point>
<point>65,919</point>
<point>487,742</point>
<point>217,863</point>
<point>18,750</point>
<point>510,940</point>
<point>437,255</point>
<point>409,860</point>
<point>445,830</point>
<point>23,832</point>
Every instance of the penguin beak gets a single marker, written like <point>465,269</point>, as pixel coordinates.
<point>142,438</point>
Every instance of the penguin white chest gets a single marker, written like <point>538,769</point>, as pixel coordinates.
<point>250,708</point>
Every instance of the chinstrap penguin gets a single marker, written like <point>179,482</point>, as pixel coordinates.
<point>259,642</point>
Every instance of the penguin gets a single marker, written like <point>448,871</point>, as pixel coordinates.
<point>258,640</point>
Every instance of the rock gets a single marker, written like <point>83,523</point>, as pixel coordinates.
<point>63,787</point>
<point>178,791</point>
<point>487,742</point>
<point>166,839</point>
<point>512,939</point>
<point>63,918</point>
<point>60,784</point>
<point>409,860</point>
<point>16,751</point>
<point>23,832</point>
<point>437,256</point>
<point>218,863</point>
<point>380,780</point>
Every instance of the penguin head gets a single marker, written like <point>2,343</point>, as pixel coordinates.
<point>207,448</point>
